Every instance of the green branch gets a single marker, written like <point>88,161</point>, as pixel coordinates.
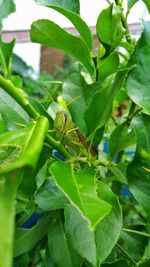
<point>58,146</point>
<point>19,96</point>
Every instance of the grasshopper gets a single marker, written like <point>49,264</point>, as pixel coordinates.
<point>65,130</point>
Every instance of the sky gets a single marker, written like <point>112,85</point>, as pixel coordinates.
<point>28,11</point>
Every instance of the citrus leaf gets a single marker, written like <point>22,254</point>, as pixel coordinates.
<point>126,138</point>
<point>6,50</point>
<point>100,108</point>
<point>65,9</point>
<point>70,5</point>
<point>60,249</point>
<point>80,188</point>
<point>139,170</point>
<point>50,34</point>
<point>26,239</point>
<point>22,147</point>
<point>138,81</point>
<point>109,27</point>
<point>6,8</point>
<point>95,245</point>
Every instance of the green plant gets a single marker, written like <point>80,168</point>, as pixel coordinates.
<point>87,221</point>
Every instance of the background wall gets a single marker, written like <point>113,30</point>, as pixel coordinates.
<point>27,12</point>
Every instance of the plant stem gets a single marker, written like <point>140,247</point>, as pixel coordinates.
<point>58,146</point>
<point>136,232</point>
<point>125,24</point>
<point>21,99</point>
<point>126,254</point>
<point>17,94</point>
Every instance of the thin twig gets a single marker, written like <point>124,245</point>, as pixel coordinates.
<point>126,254</point>
<point>135,232</point>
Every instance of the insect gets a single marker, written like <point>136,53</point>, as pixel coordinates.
<point>65,130</point>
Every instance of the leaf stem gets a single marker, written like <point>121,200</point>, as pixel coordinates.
<point>135,232</point>
<point>58,146</point>
<point>126,254</point>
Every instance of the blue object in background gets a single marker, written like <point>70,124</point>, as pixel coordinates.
<point>32,220</point>
<point>125,191</point>
<point>58,155</point>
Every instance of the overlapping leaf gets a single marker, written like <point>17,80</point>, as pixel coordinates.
<point>78,95</point>
<point>95,246</point>
<point>17,148</point>
<point>139,170</point>
<point>80,188</point>
<point>50,34</point>
<point>69,10</point>
<point>138,81</point>
<point>60,248</point>
<point>99,110</point>
<point>126,138</point>
<point>109,27</point>
<point>26,239</point>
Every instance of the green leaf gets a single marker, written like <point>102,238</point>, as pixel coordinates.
<point>78,95</point>
<point>20,67</point>
<point>70,5</point>
<point>108,66</point>
<point>2,125</point>
<point>60,249</point>
<point>96,245</point>
<point>147,3</point>
<point>119,175</point>
<point>133,244</point>
<point>146,255</point>
<point>99,110</point>
<point>50,34</point>
<point>68,10</point>
<point>18,149</point>
<point>139,170</point>
<point>22,147</point>
<point>6,8</point>
<point>131,3</point>
<point>79,234</point>
<point>50,197</point>
<point>80,188</point>
<point>109,27</point>
<point>5,56</point>
<point>11,111</point>
<point>138,81</point>
<point>26,239</point>
<point>73,94</point>
<point>108,230</point>
<point>126,138</point>
<point>8,188</point>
